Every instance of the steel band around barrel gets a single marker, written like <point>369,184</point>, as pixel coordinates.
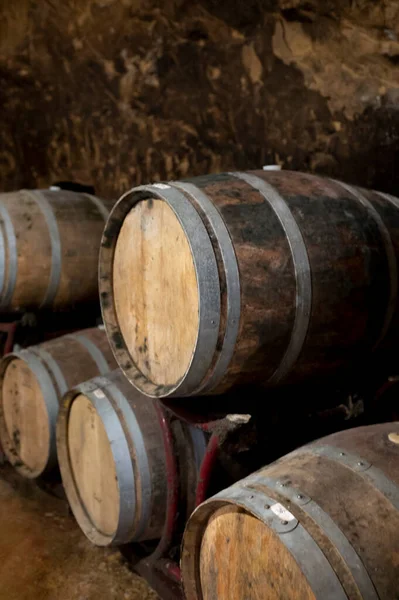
<point>94,352</point>
<point>232,281</point>
<point>302,272</point>
<point>49,395</point>
<point>128,516</point>
<point>207,281</point>
<point>104,212</point>
<point>53,367</point>
<point>328,527</point>
<point>374,475</point>
<point>390,253</point>
<point>55,271</point>
<point>314,565</point>
<point>123,464</point>
<point>8,273</point>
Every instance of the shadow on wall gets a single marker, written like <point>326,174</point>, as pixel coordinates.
<point>118,93</point>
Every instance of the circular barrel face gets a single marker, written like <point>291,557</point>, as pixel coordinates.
<point>93,466</point>
<point>155,292</point>
<point>242,558</point>
<point>25,417</point>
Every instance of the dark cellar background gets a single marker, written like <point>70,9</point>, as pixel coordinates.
<point>122,92</point>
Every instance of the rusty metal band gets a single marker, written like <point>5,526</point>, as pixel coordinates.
<point>9,252</point>
<point>302,269</point>
<point>128,528</point>
<point>232,274</point>
<point>328,527</point>
<point>94,352</point>
<point>390,254</point>
<point>104,212</point>
<point>207,282</point>
<point>52,226</point>
<point>313,563</point>
<point>374,475</point>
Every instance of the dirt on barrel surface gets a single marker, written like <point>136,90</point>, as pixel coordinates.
<point>44,556</point>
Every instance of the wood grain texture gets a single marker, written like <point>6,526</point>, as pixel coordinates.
<point>240,559</point>
<point>28,409</point>
<point>25,415</point>
<point>79,225</point>
<point>155,291</point>
<point>218,535</point>
<point>315,293</point>
<point>93,465</point>
<point>145,441</point>
<point>96,490</point>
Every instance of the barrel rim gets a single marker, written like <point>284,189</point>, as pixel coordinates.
<point>230,278</point>
<point>208,286</point>
<point>51,404</point>
<point>126,490</point>
<point>299,541</point>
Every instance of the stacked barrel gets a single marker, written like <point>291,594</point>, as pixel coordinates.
<point>49,243</point>
<point>321,522</point>
<point>237,279</point>
<point>240,281</point>
<point>217,294</point>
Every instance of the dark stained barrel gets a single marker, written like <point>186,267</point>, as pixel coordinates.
<point>320,523</point>
<point>113,460</point>
<point>32,383</point>
<point>49,244</point>
<point>260,277</point>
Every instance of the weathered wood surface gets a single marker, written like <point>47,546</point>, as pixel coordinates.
<point>153,251</point>
<point>33,382</point>
<point>297,279</point>
<point>119,93</point>
<point>115,449</point>
<point>322,522</point>
<point>49,252</point>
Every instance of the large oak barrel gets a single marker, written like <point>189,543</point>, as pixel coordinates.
<point>112,452</point>
<point>49,244</point>
<point>320,523</point>
<point>32,383</point>
<point>261,277</point>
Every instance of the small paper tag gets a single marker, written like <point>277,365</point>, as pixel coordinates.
<point>161,186</point>
<point>281,512</point>
<point>99,394</point>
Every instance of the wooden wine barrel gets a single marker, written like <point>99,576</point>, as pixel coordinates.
<point>320,523</point>
<point>262,277</point>
<point>32,383</point>
<point>49,244</point>
<point>112,458</point>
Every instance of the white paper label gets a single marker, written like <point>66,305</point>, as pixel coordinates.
<point>281,512</point>
<point>161,186</point>
<point>99,394</point>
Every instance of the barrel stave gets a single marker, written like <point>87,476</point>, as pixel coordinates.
<point>50,242</point>
<point>135,429</point>
<point>324,494</point>
<point>51,368</point>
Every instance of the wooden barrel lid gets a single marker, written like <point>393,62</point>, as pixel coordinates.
<point>155,292</point>
<point>25,416</point>
<point>241,557</point>
<point>93,465</point>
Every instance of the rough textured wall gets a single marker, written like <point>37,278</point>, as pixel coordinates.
<point>119,92</point>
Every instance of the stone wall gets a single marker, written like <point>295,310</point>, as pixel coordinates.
<point>121,92</point>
